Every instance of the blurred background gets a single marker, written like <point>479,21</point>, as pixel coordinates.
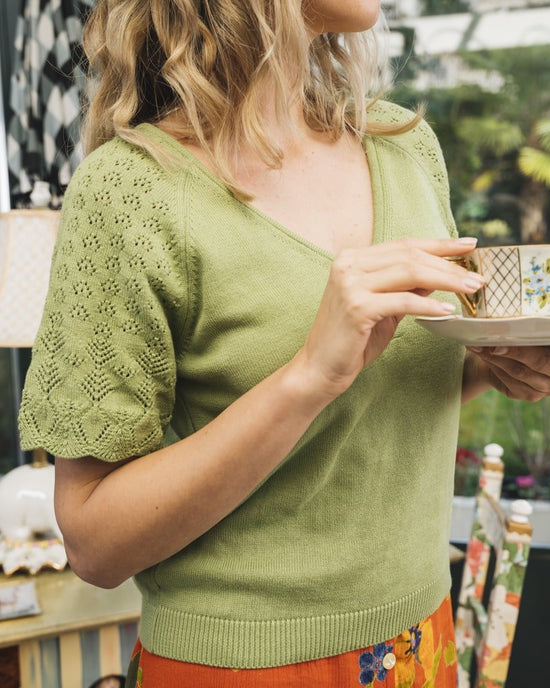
<point>482,67</point>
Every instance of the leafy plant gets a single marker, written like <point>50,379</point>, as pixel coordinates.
<point>496,142</point>
<point>534,162</point>
<point>522,429</point>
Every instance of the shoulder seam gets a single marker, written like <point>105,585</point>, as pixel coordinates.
<point>191,262</point>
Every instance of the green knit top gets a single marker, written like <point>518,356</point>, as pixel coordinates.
<point>168,300</point>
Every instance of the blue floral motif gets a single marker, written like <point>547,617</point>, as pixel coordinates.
<point>536,286</point>
<point>416,637</point>
<point>371,664</point>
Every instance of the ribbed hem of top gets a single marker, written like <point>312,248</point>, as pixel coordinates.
<point>260,644</point>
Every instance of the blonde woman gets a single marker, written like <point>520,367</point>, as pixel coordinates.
<point>238,257</point>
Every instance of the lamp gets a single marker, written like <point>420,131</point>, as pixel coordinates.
<point>27,239</point>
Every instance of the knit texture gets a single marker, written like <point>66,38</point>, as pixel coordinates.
<point>169,299</point>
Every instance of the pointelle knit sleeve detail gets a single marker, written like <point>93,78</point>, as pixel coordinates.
<point>103,370</point>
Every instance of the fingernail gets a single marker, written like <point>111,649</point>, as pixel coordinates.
<point>500,350</point>
<point>475,349</point>
<point>448,307</point>
<point>473,282</point>
<point>468,240</point>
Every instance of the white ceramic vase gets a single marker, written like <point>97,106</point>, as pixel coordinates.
<point>26,503</point>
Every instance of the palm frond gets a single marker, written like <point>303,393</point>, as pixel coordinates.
<point>484,181</point>
<point>491,134</point>
<point>535,163</point>
<point>542,130</point>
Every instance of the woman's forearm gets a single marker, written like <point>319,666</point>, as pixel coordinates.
<point>120,519</point>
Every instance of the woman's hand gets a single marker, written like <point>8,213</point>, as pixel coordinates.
<point>368,292</point>
<point>521,372</point>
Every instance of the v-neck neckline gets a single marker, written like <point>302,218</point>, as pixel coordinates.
<point>376,189</point>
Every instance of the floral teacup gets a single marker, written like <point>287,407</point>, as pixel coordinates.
<point>517,281</point>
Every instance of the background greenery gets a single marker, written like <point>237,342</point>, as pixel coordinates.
<point>496,142</point>
<point>523,430</point>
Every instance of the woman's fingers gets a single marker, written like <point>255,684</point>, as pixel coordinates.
<point>436,247</point>
<point>358,287</point>
<point>424,277</point>
<point>514,388</point>
<point>387,254</point>
<point>406,265</point>
<point>519,372</point>
<point>397,304</point>
<point>396,278</point>
<point>537,358</point>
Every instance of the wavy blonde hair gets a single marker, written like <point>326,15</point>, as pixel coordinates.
<point>210,62</point>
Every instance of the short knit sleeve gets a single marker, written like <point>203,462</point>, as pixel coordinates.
<point>423,144</point>
<point>102,376</point>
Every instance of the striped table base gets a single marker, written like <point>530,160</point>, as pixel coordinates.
<point>76,659</point>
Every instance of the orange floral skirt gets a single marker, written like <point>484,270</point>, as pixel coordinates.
<point>423,656</point>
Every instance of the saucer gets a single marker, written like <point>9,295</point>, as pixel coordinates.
<point>529,330</point>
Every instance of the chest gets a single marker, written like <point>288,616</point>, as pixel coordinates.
<point>323,194</point>
<point>258,277</point>
<point>325,199</point>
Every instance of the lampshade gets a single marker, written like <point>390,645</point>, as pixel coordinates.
<point>27,238</point>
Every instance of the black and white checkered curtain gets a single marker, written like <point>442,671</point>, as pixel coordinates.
<point>47,83</point>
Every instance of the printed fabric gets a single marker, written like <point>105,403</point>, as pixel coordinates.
<point>48,79</point>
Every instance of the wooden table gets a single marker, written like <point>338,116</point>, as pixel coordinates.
<point>83,632</point>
